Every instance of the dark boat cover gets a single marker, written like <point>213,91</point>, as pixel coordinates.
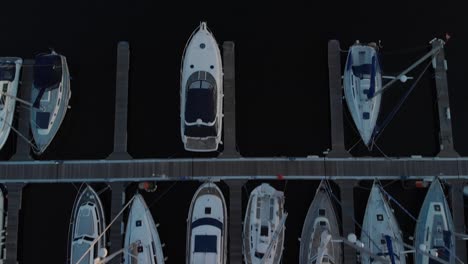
<point>7,71</point>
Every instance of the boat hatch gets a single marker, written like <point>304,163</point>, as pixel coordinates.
<point>140,249</point>
<point>322,212</point>
<point>205,243</point>
<point>323,223</point>
<point>207,210</point>
<point>259,255</point>
<point>437,207</point>
<point>382,241</point>
<point>42,120</point>
<point>365,115</point>
<point>379,217</point>
<point>264,231</point>
<point>138,222</point>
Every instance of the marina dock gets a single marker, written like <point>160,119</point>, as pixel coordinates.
<point>119,168</point>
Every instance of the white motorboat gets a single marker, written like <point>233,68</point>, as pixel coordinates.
<point>201,92</point>
<point>207,227</point>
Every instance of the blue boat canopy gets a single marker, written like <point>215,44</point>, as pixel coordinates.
<point>205,243</point>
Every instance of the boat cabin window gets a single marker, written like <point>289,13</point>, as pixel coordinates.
<point>259,255</point>
<point>323,223</point>
<point>321,212</point>
<point>365,115</point>
<point>437,207</point>
<point>207,210</point>
<point>325,260</point>
<point>3,98</point>
<point>205,243</point>
<point>201,85</point>
<point>138,222</point>
<point>272,208</point>
<point>7,71</point>
<point>379,217</point>
<point>264,231</point>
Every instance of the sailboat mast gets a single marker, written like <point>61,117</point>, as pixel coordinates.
<point>410,68</point>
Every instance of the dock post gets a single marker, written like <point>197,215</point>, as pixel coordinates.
<point>445,134</point>
<point>23,147</point>
<point>347,216</point>
<point>229,101</point>
<point>458,209</point>
<point>336,102</point>
<point>117,229</point>
<point>12,222</point>
<point>235,220</point>
<point>121,103</point>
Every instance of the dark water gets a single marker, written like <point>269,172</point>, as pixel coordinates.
<point>281,72</point>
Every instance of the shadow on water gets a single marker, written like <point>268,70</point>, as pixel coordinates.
<point>44,220</point>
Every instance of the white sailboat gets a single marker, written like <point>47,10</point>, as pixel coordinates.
<point>362,79</point>
<point>381,233</point>
<point>49,96</point>
<point>263,232</point>
<point>207,227</point>
<point>10,68</point>
<point>142,243</point>
<point>319,230</point>
<point>2,227</point>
